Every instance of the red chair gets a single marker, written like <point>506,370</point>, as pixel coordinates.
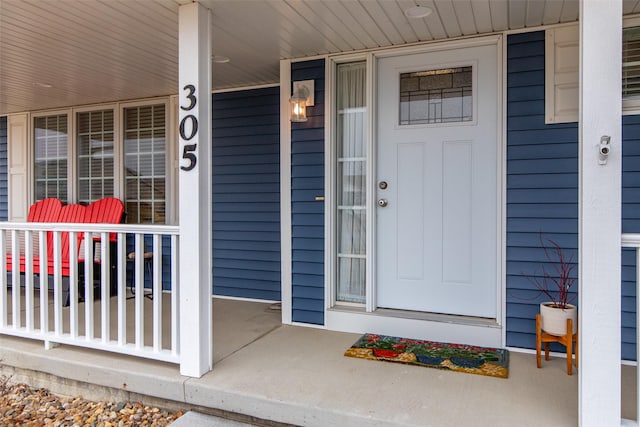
<point>68,214</point>
<point>107,211</point>
<point>46,210</point>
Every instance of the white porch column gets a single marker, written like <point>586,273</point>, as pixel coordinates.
<point>194,205</point>
<point>600,212</point>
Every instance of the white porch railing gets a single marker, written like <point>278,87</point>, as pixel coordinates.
<point>630,240</point>
<point>69,311</point>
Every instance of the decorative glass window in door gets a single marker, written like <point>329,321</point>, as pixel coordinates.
<point>436,96</point>
<point>351,165</point>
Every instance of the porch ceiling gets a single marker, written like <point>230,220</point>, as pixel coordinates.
<point>71,52</point>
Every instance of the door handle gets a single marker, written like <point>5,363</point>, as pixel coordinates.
<point>382,203</point>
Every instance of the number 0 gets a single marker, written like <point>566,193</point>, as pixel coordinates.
<point>194,127</point>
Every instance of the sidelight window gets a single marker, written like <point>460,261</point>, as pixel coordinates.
<point>351,165</point>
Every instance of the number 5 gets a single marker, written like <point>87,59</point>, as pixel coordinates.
<point>190,156</point>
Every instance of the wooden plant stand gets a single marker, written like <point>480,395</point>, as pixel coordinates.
<point>566,340</point>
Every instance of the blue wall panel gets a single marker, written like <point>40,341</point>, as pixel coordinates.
<point>4,207</point>
<point>246,194</point>
<point>542,192</point>
<point>542,184</point>
<point>307,181</point>
<point>630,224</point>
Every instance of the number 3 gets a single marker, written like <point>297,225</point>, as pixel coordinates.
<point>191,97</point>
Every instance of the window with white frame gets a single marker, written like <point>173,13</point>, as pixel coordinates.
<point>95,144</point>
<point>145,164</point>
<point>104,157</point>
<point>351,181</point>
<point>631,63</point>
<point>50,141</point>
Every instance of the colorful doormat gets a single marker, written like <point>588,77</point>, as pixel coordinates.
<point>492,362</point>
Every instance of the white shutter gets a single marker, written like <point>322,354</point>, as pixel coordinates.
<point>562,74</point>
<point>18,162</point>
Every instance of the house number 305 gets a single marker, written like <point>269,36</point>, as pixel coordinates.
<point>189,129</point>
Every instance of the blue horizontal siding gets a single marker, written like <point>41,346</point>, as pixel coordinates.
<point>4,189</point>
<point>246,194</point>
<point>307,181</point>
<point>630,224</point>
<point>542,192</point>
<point>542,185</point>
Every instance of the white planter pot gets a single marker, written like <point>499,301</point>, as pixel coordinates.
<point>554,320</point>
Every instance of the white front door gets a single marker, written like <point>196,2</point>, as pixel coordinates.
<point>437,182</point>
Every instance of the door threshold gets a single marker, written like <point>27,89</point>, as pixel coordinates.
<point>419,315</point>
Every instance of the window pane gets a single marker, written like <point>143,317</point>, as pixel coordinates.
<point>351,181</point>
<point>144,147</point>
<point>351,280</point>
<point>95,155</point>
<point>352,177</point>
<point>436,96</point>
<point>50,136</point>
<point>631,62</point>
<point>353,236</point>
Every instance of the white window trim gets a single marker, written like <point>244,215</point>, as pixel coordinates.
<point>118,111</point>
<point>31,180</point>
<point>330,227</point>
<point>169,153</point>
<point>117,152</point>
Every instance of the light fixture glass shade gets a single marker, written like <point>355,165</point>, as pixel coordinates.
<point>298,108</point>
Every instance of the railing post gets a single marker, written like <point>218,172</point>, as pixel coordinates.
<point>194,207</point>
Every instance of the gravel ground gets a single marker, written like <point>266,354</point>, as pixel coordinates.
<point>21,405</point>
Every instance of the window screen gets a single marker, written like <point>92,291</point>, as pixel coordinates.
<point>50,156</point>
<point>145,164</point>
<point>95,132</point>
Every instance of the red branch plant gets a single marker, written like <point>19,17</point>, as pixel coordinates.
<point>555,285</point>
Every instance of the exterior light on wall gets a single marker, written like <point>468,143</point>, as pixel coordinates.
<point>301,98</point>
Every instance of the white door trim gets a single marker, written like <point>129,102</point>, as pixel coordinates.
<point>285,193</point>
<point>364,318</point>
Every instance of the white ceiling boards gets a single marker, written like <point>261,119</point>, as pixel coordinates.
<point>68,52</point>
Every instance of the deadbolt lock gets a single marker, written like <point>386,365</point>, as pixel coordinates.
<point>383,185</point>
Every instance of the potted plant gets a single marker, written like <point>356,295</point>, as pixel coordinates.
<point>555,283</point>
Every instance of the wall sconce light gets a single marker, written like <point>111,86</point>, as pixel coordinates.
<point>301,98</point>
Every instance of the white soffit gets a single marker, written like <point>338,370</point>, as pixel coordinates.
<point>95,51</point>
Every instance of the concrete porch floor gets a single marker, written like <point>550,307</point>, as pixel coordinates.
<point>297,375</point>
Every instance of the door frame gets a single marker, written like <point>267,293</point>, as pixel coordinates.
<point>366,317</point>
